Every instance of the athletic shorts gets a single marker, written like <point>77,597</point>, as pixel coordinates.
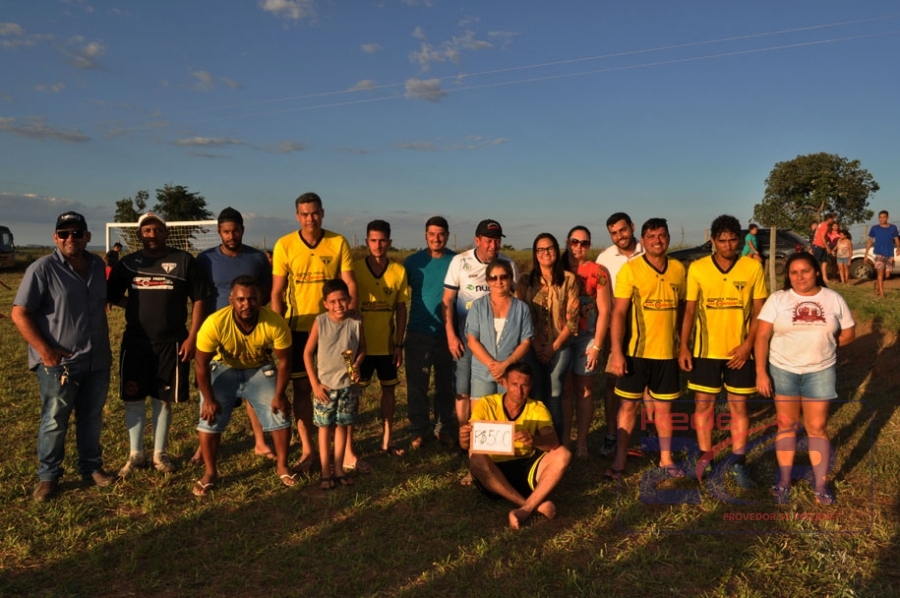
<point>153,370</point>
<point>520,473</point>
<point>384,365</point>
<point>883,262</point>
<point>708,376</point>
<point>298,345</point>
<point>813,385</point>
<point>340,408</point>
<point>659,376</point>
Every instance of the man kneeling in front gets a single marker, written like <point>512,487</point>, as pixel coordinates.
<point>526,478</point>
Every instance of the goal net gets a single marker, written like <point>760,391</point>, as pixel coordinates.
<point>192,237</point>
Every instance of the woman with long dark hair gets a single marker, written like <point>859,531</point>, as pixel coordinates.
<point>552,295</point>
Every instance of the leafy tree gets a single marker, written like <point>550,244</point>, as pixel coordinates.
<point>801,191</point>
<point>176,203</point>
<point>129,210</point>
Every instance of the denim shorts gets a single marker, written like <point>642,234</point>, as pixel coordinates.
<point>842,261</point>
<point>813,385</point>
<point>580,346</point>
<point>482,388</point>
<point>256,385</point>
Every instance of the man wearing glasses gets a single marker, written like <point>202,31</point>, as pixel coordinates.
<point>60,311</point>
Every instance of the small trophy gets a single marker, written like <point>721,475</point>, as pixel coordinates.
<point>348,358</point>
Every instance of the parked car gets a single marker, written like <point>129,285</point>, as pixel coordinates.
<point>860,267</point>
<point>786,243</point>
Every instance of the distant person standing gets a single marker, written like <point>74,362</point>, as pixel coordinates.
<point>820,249</point>
<point>301,264</point>
<point>60,311</point>
<point>426,339</point>
<point>383,292</point>
<point>625,248</point>
<point>222,265</point>
<point>157,346</point>
<point>751,247</point>
<point>884,237</point>
<point>112,257</point>
<point>843,250</point>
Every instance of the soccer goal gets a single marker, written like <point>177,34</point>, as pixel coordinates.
<point>192,237</point>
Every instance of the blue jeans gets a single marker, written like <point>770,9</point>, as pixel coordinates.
<point>255,385</point>
<point>548,382</point>
<point>84,392</point>
<point>425,353</point>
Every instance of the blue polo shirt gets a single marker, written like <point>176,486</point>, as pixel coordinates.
<point>68,311</point>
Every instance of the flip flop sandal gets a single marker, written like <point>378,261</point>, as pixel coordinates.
<point>613,475</point>
<point>344,480</point>
<point>200,489</point>
<point>394,451</point>
<point>326,483</point>
<point>360,466</point>
<point>672,471</point>
<point>288,479</point>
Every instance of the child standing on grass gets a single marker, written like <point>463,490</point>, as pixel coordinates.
<point>842,252</point>
<point>332,376</point>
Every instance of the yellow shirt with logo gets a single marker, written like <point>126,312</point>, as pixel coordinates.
<point>378,298</point>
<point>651,326</point>
<point>307,268</point>
<point>221,335</point>
<point>533,418</point>
<point>724,303</point>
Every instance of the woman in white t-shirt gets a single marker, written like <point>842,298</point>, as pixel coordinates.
<point>799,331</point>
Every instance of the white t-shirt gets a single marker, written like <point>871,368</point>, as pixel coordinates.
<point>804,329</point>
<point>466,276</point>
<point>613,259</point>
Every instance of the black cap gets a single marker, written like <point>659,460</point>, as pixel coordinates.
<point>489,228</point>
<point>68,219</point>
<point>229,214</point>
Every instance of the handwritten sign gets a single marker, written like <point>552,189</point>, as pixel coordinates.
<point>493,438</point>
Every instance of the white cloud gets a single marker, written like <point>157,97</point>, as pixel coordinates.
<point>205,80</point>
<point>207,142</point>
<point>284,147</point>
<point>208,155</point>
<point>12,35</point>
<point>372,48</point>
<point>419,33</point>
<point>231,83</point>
<point>363,85</point>
<point>290,9</point>
<point>83,54</point>
<point>504,37</point>
<point>50,87</point>
<point>37,128</point>
<point>428,3</point>
<point>468,21</point>
<point>450,50</point>
<point>468,143</point>
<point>42,209</point>
<point>428,89</point>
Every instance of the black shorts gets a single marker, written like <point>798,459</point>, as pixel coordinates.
<point>708,376</point>
<point>384,365</point>
<point>520,473</point>
<point>298,344</point>
<point>659,376</point>
<point>153,370</point>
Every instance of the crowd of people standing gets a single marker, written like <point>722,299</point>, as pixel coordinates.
<point>498,345</point>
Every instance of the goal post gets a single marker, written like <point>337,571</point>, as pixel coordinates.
<point>191,236</point>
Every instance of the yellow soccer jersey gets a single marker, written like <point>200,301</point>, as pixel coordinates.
<point>533,418</point>
<point>653,315</point>
<point>378,297</point>
<point>221,335</point>
<point>724,303</point>
<point>307,268</point>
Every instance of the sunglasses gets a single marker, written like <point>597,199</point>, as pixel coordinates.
<point>65,234</point>
<point>496,277</point>
<point>579,243</point>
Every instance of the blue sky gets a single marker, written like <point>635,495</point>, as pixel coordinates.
<point>540,115</point>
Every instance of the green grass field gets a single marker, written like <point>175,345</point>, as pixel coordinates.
<point>409,528</point>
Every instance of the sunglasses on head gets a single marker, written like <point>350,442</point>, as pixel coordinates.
<point>579,243</point>
<point>496,277</point>
<point>65,234</point>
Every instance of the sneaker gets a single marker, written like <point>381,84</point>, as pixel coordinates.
<point>44,491</point>
<point>741,476</point>
<point>782,495</point>
<point>164,464</point>
<point>134,462</point>
<point>609,446</point>
<point>100,478</point>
